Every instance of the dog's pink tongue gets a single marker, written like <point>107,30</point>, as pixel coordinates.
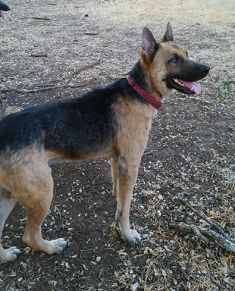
<point>194,86</point>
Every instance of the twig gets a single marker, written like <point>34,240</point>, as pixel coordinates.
<point>79,70</point>
<point>39,55</point>
<point>41,18</point>
<point>147,274</point>
<point>207,234</point>
<point>91,33</point>
<point>189,229</point>
<point>89,66</point>
<point>53,87</point>
<point>41,89</point>
<point>204,217</point>
<point>150,152</point>
<point>216,234</point>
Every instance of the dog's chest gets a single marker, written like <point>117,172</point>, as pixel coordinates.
<point>134,121</point>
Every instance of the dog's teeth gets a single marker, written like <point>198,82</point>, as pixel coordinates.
<point>178,82</point>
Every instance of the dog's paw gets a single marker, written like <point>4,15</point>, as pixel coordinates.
<point>58,245</point>
<point>9,255</point>
<point>132,237</point>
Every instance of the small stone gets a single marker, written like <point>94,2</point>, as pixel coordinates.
<point>232,166</point>
<point>135,286</point>
<point>160,197</point>
<point>113,77</point>
<point>98,259</point>
<point>164,273</point>
<point>157,186</point>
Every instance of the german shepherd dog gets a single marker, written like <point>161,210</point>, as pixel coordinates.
<point>110,123</point>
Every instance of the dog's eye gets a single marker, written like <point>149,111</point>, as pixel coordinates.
<point>174,59</point>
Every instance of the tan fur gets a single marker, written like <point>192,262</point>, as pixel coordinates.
<point>157,68</point>
<point>134,124</point>
<point>20,170</point>
<point>114,172</point>
<point>28,177</point>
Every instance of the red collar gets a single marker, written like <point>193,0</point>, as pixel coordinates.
<point>150,99</point>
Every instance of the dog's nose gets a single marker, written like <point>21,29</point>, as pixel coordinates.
<point>205,69</point>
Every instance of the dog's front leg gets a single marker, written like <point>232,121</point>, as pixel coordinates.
<point>125,185</point>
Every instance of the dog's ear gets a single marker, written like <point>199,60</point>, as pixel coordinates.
<point>149,43</point>
<point>168,36</point>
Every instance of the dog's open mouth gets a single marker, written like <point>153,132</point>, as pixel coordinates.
<point>184,86</point>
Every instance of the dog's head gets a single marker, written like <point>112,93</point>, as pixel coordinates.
<point>168,65</point>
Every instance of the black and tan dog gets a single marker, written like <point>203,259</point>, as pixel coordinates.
<point>110,123</point>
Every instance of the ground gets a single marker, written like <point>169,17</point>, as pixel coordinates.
<point>73,46</point>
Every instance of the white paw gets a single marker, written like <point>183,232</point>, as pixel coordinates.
<point>132,236</point>
<point>58,245</point>
<point>9,255</point>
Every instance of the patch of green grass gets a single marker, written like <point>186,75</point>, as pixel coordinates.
<point>225,92</point>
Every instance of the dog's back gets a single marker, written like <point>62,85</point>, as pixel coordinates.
<point>74,127</point>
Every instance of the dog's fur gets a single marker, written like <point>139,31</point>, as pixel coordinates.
<point>110,123</point>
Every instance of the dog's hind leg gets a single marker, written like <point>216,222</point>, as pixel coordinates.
<point>7,203</point>
<point>36,199</point>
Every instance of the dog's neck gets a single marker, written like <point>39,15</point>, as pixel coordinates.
<point>139,75</point>
<point>143,93</point>
<point>138,81</point>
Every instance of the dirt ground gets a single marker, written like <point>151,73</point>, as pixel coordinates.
<point>53,50</point>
